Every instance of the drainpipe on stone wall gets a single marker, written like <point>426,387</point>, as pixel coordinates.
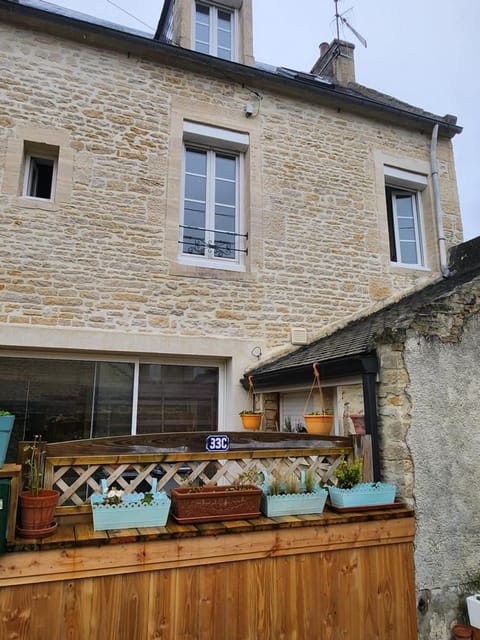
<point>437,205</point>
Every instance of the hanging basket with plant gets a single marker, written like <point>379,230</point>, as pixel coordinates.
<point>251,419</point>
<point>317,422</point>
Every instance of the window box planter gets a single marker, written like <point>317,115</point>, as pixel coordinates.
<point>363,494</point>
<point>293,504</point>
<point>215,503</point>
<point>132,511</point>
<point>473,606</point>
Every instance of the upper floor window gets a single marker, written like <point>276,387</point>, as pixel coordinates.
<point>403,196</point>
<point>40,172</point>
<point>211,228</point>
<point>214,31</point>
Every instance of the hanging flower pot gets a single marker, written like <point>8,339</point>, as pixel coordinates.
<point>318,423</point>
<point>251,420</point>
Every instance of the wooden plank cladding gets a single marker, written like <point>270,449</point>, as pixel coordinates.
<point>350,577</point>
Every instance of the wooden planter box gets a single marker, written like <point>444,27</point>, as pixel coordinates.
<point>212,503</point>
<point>291,504</point>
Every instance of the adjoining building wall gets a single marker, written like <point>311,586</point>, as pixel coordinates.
<point>430,446</point>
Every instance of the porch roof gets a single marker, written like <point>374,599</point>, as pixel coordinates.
<point>350,349</point>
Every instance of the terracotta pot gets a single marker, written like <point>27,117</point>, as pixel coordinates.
<point>462,632</point>
<point>251,421</point>
<point>36,512</point>
<point>358,420</point>
<point>318,424</point>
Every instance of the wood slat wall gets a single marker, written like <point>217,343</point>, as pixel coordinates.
<point>352,581</point>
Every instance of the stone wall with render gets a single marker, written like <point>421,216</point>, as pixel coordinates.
<point>100,257</point>
<point>428,403</point>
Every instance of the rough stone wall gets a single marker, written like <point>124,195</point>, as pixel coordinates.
<point>430,446</point>
<point>97,259</point>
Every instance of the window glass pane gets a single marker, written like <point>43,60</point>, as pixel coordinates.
<point>202,29</point>
<point>196,162</point>
<point>225,167</point>
<point>177,398</point>
<point>224,192</point>
<point>60,399</point>
<point>224,218</point>
<point>195,187</point>
<point>409,253</point>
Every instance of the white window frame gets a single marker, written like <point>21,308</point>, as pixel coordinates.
<point>403,184</point>
<point>213,10</point>
<point>30,160</point>
<point>213,140</point>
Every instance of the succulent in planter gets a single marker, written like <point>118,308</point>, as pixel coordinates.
<point>291,495</point>
<point>251,420</point>
<point>351,492</point>
<point>113,508</point>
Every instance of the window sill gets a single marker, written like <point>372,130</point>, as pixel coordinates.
<point>208,272</point>
<point>411,267</point>
<point>37,203</point>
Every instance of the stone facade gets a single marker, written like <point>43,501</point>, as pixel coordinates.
<point>97,269</point>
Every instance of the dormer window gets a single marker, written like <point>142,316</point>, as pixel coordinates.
<point>214,31</point>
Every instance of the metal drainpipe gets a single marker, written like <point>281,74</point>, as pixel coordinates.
<point>437,205</point>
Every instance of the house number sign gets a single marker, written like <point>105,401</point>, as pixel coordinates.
<point>217,443</point>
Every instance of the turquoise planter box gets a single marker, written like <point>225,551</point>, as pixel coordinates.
<point>6,426</point>
<point>364,494</point>
<point>131,513</point>
<point>293,504</point>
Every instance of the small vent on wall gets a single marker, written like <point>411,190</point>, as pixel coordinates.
<point>299,335</point>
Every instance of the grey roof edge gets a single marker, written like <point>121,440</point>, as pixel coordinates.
<point>100,35</point>
<point>364,332</point>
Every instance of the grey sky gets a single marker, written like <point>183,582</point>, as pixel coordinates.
<point>422,51</point>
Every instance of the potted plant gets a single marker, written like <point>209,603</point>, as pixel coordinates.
<point>319,422</point>
<point>251,420</point>
<point>115,509</point>
<point>210,503</point>
<point>6,425</point>
<point>291,495</point>
<point>37,505</point>
<point>351,492</point>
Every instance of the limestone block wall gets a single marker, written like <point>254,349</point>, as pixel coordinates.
<point>103,255</point>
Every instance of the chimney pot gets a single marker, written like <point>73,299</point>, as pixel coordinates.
<point>324,46</point>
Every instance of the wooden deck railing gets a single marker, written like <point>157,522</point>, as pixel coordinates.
<point>76,468</point>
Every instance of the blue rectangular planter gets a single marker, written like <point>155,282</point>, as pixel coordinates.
<point>131,512</point>
<point>292,504</point>
<point>364,494</point>
<point>6,426</point>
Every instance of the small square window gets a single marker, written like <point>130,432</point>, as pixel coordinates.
<point>40,171</point>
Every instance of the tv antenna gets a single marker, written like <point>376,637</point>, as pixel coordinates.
<point>340,19</point>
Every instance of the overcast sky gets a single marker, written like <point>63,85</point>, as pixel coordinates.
<point>424,52</point>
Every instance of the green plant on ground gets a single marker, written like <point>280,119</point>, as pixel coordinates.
<point>250,476</point>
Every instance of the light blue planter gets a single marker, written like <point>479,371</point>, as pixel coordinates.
<point>292,504</point>
<point>6,426</point>
<point>364,494</point>
<point>131,512</point>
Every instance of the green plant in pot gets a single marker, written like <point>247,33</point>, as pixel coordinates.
<point>37,505</point>
<point>6,425</point>
<point>251,420</point>
<point>351,492</point>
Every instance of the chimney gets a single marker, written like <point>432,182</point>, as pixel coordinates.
<point>336,60</point>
